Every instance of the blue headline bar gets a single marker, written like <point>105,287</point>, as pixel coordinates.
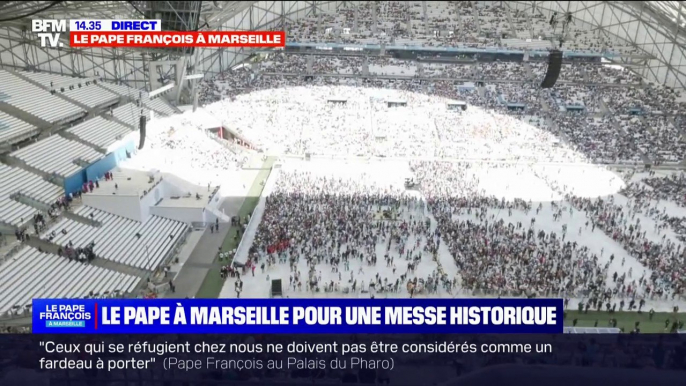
<point>296,316</point>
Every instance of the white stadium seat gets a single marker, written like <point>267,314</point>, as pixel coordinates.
<point>57,154</point>
<point>32,274</point>
<point>100,132</point>
<point>14,130</point>
<point>35,100</point>
<point>117,238</point>
<point>90,95</point>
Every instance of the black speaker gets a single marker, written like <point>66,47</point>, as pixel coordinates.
<point>141,125</point>
<point>554,65</point>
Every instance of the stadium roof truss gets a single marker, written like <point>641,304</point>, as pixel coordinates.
<point>20,48</point>
<point>654,27</point>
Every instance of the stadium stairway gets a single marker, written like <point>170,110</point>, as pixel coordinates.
<point>529,72</point>
<point>44,245</point>
<point>584,74</point>
<point>78,218</point>
<point>7,229</point>
<point>650,128</point>
<point>620,129</point>
<point>555,129</point>
<point>670,119</point>
<point>47,246</point>
<point>482,91</point>
<point>604,110</point>
<point>57,94</point>
<point>475,11</point>
<point>26,200</point>
<point>530,26</point>
<point>544,102</point>
<point>512,28</point>
<point>114,119</point>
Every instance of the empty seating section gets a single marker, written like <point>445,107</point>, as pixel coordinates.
<point>33,274</point>
<point>129,114</point>
<point>13,130</point>
<point>91,95</point>
<point>124,90</point>
<point>141,245</point>
<point>57,155</point>
<point>35,100</point>
<point>49,80</point>
<point>159,106</point>
<point>14,213</point>
<point>100,132</point>
<point>15,180</point>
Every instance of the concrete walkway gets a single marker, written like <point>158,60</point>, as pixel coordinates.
<point>202,259</point>
<point>193,272</point>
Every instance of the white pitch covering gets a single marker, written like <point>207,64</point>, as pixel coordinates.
<point>100,132</point>
<point>34,100</point>
<point>57,155</point>
<point>116,239</point>
<point>32,274</point>
<point>14,130</point>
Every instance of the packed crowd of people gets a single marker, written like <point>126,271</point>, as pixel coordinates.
<point>579,111</point>
<point>654,247</point>
<point>365,125</point>
<point>671,188</point>
<point>307,226</point>
<point>597,137</point>
<point>363,234</point>
<point>496,255</point>
<point>453,24</point>
<point>350,234</point>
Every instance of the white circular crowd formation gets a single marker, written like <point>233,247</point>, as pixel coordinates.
<point>603,130</point>
<point>301,120</point>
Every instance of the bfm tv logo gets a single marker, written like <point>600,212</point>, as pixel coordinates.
<point>51,40</point>
<point>65,315</point>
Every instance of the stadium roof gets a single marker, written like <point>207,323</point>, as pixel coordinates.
<point>213,13</point>
<point>654,29</point>
<point>17,10</point>
<point>671,9</point>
